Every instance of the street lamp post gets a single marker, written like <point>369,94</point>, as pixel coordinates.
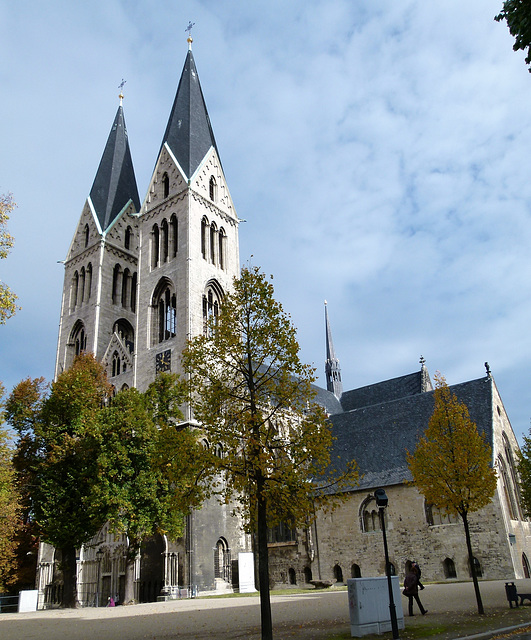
<point>381,502</point>
<point>99,554</point>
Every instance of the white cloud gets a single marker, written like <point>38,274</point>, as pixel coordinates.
<point>377,150</point>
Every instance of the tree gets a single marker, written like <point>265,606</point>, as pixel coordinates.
<point>452,465</point>
<point>22,411</point>
<point>148,467</point>
<point>254,400</point>
<point>9,507</point>
<point>517,13</point>
<point>66,466</point>
<point>524,471</point>
<point>8,305</point>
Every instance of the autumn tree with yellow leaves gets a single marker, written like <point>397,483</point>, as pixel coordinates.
<point>452,465</point>
<point>253,398</point>
<point>8,304</point>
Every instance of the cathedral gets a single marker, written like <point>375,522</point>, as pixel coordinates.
<point>141,278</point>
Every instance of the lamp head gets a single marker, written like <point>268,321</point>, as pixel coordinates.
<point>381,498</point>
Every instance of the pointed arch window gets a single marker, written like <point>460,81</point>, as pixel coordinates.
<point>88,283</point>
<point>369,516</point>
<point>204,237</point>
<point>164,240</point>
<point>116,364</point>
<point>222,239</point>
<point>436,516</point>
<point>213,244</point>
<point>164,312</point>
<point>81,286</point>
<point>116,284</point>
<point>134,282</point>
<point>126,287</point>
<point>510,500</point>
<point>512,482</point>
<point>127,239</point>
<point>174,237</point>
<point>222,561</point>
<point>125,332</point>
<point>155,240</point>
<point>86,233</point>
<point>73,290</point>
<point>211,305</point>
<point>165,185</point>
<point>78,339</point>
<point>212,189</point>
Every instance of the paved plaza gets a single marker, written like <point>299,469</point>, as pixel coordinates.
<point>315,615</point>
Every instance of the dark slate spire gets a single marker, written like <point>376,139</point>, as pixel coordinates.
<point>115,182</point>
<point>332,368</point>
<point>189,132</point>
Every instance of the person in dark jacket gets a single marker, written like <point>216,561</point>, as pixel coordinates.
<point>419,572</point>
<point>411,590</point>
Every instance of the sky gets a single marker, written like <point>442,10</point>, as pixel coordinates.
<point>378,152</point>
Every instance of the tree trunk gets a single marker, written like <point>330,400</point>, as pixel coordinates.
<point>129,586</point>
<point>69,569</point>
<point>472,564</point>
<point>263,563</point>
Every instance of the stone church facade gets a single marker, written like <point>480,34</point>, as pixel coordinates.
<point>141,278</point>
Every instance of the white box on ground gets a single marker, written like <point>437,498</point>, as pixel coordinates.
<point>368,603</point>
<point>27,600</point>
<point>246,572</point>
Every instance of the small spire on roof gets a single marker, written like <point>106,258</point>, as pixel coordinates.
<point>422,361</point>
<point>121,87</point>
<point>189,39</point>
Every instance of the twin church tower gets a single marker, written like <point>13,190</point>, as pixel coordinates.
<point>142,278</point>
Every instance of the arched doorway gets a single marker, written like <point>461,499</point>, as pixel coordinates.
<point>222,564</point>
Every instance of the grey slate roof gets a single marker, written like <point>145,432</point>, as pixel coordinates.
<point>115,182</point>
<point>189,132</point>
<point>382,391</point>
<point>377,435</point>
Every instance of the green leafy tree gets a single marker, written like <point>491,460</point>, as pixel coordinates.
<point>251,394</point>
<point>66,469</point>
<point>8,305</point>
<point>22,411</point>
<point>452,465</point>
<point>149,468</point>
<point>517,13</point>
<point>9,507</point>
<point>524,472</point>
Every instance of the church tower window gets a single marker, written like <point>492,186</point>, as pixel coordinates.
<point>127,239</point>
<point>222,238</point>
<point>213,247</point>
<point>165,185</point>
<point>82,286</point>
<point>88,286</point>
<point>115,364</point>
<point>174,237</point>
<point>155,246</point>
<point>116,284</point>
<point>164,241</point>
<point>133,291</point>
<point>164,312</point>
<point>211,305</point>
<point>87,235</point>
<point>73,290</point>
<point>204,237</point>
<point>126,284</point>
<point>212,189</point>
<point>78,338</point>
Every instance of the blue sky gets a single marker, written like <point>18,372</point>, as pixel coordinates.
<point>378,151</point>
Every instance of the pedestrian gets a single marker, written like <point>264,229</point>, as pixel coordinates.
<point>411,590</point>
<point>419,573</point>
